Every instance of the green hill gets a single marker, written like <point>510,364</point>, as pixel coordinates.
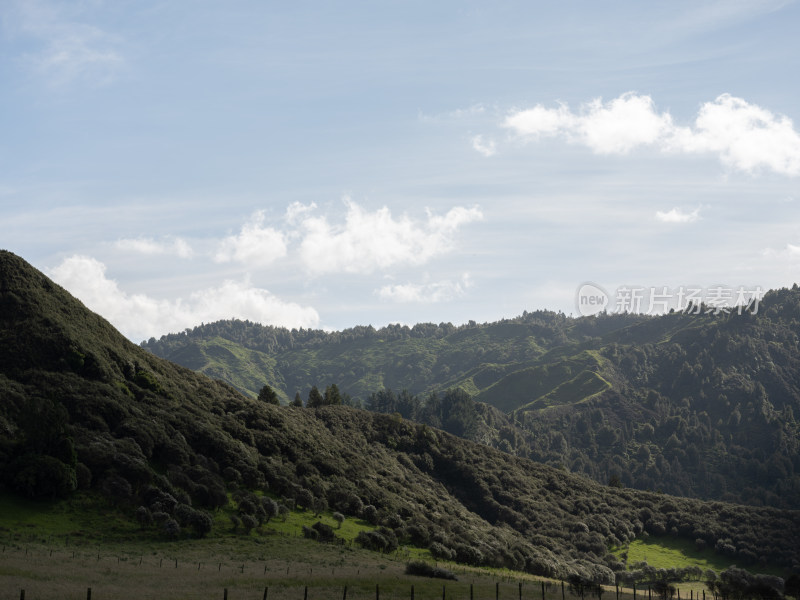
<point>84,410</point>
<point>697,405</point>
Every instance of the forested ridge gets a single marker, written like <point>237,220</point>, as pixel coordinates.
<point>84,409</point>
<point>700,405</point>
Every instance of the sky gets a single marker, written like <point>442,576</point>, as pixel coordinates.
<point>333,164</point>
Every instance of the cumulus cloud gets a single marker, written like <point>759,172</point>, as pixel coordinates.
<point>255,244</point>
<point>487,148</point>
<point>297,210</point>
<point>439,291</point>
<point>676,215</point>
<point>368,241</point>
<point>139,316</point>
<point>745,136</point>
<point>175,246</point>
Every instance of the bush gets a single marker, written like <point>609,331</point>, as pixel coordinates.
<point>339,518</point>
<point>39,476</point>
<point>441,551</point>
<point>380,540</point>
<point>423,569</point>
<point>370,514</point>
<point>324,532</point>
<point>171,528</point>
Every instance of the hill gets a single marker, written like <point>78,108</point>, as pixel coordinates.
<point>84,409</point>
<point>698,405</point>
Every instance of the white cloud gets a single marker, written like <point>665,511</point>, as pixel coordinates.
<point>615,127</point>
<point>151,247</point>
<point>439,291</point>
<point>486,148</point>
<point>139,316</point>
<point>367,241</point>
<point>255,244</point>
<point>744,136</point>
<point>296,210</point>
<point>676,215</point>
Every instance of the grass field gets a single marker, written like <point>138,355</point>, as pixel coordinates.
<point>60,549</point>
<point>668,552</point>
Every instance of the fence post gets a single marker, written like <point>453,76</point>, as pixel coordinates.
<point>344,594</point>
<point>562,591</point>
<point>412,591</point>
<point>520,590</point>
<point>634,591</point>
<point>266,592</point>
<point>22,595</point>
<point>443,592</point>
<point>377,592</point>
<point>305,594</point>
<point>89,594</point>
<point>542,590</point>
<point>225,594</point>
<point>496,590</point>
<point>471,597</point>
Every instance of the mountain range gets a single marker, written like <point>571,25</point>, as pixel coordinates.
<point>693,403</point>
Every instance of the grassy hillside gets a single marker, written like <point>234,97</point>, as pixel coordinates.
<point>87,415</point>
<point>698,405</point>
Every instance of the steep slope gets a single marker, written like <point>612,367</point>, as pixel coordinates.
<point>83,407</point>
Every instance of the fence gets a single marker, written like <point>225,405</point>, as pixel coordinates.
<point>76,573</point>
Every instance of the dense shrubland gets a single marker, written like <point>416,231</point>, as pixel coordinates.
<point>169,446</point>
<point>692,405</point>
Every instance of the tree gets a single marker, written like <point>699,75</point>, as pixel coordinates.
<point>268,395</point>
<point>305,499</point>
<point>298,401</point>
<point>339,518</point>
<point>315,398</point>
<point>249,522</point>
<point>270,508</point>
<point>332,395</point>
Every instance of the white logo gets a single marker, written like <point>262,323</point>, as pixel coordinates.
<point>591,299</point>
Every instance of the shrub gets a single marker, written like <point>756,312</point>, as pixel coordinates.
<point>370,514</point>
<point>439,550</point>
<point>324,532</point>
<point>249,522</point>
<point>39,476</point>
<point>144,517</point>
<point>339,518</point>
<point>171,528</point>
<point>423,569</point>
<point>380,540</point>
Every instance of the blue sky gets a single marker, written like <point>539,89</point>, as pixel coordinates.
<point>324,164</point>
